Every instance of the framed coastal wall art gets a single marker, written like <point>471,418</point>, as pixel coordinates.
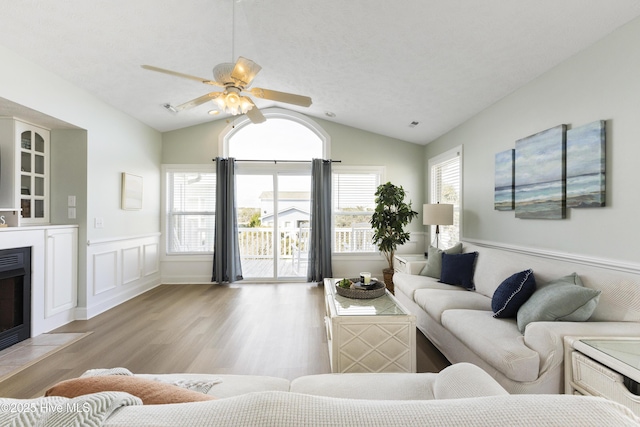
<point>504,181</point>
<point>540,175</point>
<point>131,192</point>
<point>586,165</point>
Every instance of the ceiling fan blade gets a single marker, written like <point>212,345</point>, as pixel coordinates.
<point>245,71</point>
<point>274,95</point>
<point>185,76</point>
<point>197,101</point>
<point>255,115</point>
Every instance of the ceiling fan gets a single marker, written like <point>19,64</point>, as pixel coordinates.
<point>235,79</point>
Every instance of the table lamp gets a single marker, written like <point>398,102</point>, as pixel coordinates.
<point>437,214</point>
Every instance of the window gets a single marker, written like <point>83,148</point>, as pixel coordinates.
<point>191,196</point>
<point>446,184</point>
<point>353,195</point>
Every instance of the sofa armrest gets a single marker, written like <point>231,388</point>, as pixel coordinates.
<point>546,338</point>
<point>370,386</point>
<point>464,380</point>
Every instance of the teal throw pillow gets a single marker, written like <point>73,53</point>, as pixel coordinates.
<point>563,299</point>
<point>433,267</point>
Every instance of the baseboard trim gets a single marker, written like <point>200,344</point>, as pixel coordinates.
<point>610,264</point>
<point>85,313</point>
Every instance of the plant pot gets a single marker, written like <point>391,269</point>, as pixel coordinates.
<point>387,273</point>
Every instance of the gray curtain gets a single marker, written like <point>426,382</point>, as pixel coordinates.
<point>226,252</point>
<point>320,234</point>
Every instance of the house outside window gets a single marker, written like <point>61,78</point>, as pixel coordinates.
<point>190,210</point>
<point>445,172</point>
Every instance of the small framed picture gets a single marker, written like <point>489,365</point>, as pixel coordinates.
<point>131,192</point>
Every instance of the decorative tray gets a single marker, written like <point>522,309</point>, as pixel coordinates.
<point>375,289</point>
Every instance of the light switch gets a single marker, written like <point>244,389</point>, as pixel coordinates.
<point>71,201</point>
<point>71,213</point>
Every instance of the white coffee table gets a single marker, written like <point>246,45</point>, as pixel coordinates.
<point>369,335</point>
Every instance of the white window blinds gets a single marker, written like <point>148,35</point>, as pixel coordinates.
<point>446,185</point>
<point>191,200</point>
<point>353,195</point>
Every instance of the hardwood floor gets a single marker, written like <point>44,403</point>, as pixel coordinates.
<point>257,329</point>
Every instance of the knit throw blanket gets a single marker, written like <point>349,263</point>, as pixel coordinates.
<point>281,409</point>
<point>85,411</point>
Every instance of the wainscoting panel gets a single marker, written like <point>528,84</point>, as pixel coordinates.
<point>121,269</point>
<point>131,268</point>
<point>105,267</point>
<point>151,261</point>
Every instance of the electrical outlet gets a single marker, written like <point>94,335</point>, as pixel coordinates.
<point>98,222</point>
<point>71,214</point>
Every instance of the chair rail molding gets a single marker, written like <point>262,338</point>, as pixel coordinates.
<point>610,264</point>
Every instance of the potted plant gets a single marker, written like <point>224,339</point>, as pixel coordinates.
<point>390,217</point>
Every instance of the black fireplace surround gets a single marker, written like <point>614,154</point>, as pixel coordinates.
<point>15,296</point>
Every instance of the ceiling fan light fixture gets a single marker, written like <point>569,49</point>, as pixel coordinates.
<point>232,103</point>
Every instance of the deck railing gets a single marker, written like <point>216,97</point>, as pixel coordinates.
<point>257,242</point>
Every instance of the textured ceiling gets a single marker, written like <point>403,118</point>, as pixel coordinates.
<point>377,64</point>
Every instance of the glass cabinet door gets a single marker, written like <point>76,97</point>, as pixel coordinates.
<point>33,176</point>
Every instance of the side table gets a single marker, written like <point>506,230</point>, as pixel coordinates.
<point>604,366</point>
<point>409,263</point>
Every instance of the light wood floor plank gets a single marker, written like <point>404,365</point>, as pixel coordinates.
<point>274,329</point>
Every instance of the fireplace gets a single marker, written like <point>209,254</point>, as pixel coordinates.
<point>15,296</point>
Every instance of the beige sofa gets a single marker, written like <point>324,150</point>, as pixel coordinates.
<point>461,325</point>
<point>461,394</point>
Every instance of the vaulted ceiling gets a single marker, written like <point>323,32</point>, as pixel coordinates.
<point>378,65</point>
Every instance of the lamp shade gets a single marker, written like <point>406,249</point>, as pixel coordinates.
<point>437,214</point>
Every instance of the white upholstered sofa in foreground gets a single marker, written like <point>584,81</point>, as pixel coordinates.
<point>524,351</point>
<point>461,394</point>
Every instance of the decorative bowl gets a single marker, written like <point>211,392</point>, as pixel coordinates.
<point>375,289</point>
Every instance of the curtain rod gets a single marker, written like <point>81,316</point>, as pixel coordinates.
<point>282,161</point>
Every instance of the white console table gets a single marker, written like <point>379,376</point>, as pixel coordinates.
<point>409,263</point>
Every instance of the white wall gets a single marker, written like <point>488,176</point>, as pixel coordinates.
<point>114,143</point>
<point>353,147</point>
<point>600,83</point>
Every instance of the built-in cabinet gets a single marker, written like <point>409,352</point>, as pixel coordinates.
<point>24,171</point>
<point>54,275</point>
<point>61,278</point>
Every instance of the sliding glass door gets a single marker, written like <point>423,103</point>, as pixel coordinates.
<point>273,220</point>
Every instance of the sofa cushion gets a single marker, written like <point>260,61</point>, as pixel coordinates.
<point>227,385</point>
<point>462,380</point>
<point>437,301</point>
<point>409,283</point>
<point>149,391</point>
<point>496,341</point>
<point>563,300</point>
<point>458,269</point>
<point>514,291</point>
<point>434,260</point>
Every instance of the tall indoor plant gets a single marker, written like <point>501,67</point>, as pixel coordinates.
<point>391,215</point>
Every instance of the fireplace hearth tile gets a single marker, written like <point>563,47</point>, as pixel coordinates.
<point>32,350</point>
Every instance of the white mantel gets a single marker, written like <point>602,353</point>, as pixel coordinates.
<point>36,238</point>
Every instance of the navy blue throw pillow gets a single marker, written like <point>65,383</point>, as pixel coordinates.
<point>514,291</point>
<point>458,269</point>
